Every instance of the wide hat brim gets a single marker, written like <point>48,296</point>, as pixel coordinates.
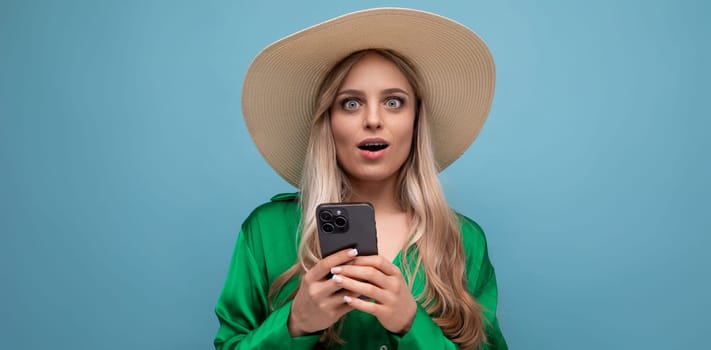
<point>454,64</point>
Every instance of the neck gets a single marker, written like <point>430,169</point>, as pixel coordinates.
<point>381,194</point>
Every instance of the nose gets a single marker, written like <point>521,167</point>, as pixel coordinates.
<point>373,118</point>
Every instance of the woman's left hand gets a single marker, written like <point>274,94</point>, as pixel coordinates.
<point>378,279</point>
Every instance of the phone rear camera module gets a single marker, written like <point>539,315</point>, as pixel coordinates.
<point>340,221</point>
<point>326,215</point>
<point>328,228</point>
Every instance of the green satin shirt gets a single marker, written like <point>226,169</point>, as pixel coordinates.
<point>267,246</point>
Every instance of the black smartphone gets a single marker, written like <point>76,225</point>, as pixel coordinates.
<point>347,225</point>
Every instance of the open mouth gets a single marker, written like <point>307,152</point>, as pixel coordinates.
<point>373,146</point>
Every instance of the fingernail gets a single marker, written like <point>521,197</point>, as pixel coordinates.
<point>353,252</point>
<point>347,299</point>
<point>335,270</point>
<point>337,278</point>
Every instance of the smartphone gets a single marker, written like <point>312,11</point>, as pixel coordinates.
<point>347,225</point>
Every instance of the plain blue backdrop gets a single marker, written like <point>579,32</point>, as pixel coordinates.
<point>126,168</point>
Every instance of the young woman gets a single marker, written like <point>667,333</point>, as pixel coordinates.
<point>366,107</point>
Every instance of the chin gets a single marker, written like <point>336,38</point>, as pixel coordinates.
<point>372,176</point>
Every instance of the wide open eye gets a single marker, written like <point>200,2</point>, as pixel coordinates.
<point>350,104</point>
<point>393,102</point>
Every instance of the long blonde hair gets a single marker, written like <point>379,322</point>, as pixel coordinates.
<point>435,242</point>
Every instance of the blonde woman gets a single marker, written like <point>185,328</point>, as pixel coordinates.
<point>366,107</point>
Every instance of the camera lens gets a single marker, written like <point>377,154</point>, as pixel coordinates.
<point>327,228</point>
<point>340,221</point>
<point>326,215</point>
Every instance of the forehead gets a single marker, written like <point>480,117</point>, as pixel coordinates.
<point>375,71</point>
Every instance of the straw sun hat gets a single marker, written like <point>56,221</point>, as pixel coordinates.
<point>454,64</point>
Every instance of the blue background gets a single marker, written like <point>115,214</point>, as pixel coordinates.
<point>126,168</point>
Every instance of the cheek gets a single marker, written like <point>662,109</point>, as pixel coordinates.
<point>407,139</point>
<point>406,134</point>
<point>340,133</point>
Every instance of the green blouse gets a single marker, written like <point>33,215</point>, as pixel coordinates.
<point>267,246</point>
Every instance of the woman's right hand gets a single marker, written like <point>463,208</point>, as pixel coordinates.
<point>319,300</point>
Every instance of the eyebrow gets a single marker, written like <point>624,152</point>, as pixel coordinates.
<point>384,92</point>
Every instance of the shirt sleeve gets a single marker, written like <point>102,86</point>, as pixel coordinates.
<point>243,310</point>
<point>423,334</point>
<point>426,334</point>
<point>486,294</point>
